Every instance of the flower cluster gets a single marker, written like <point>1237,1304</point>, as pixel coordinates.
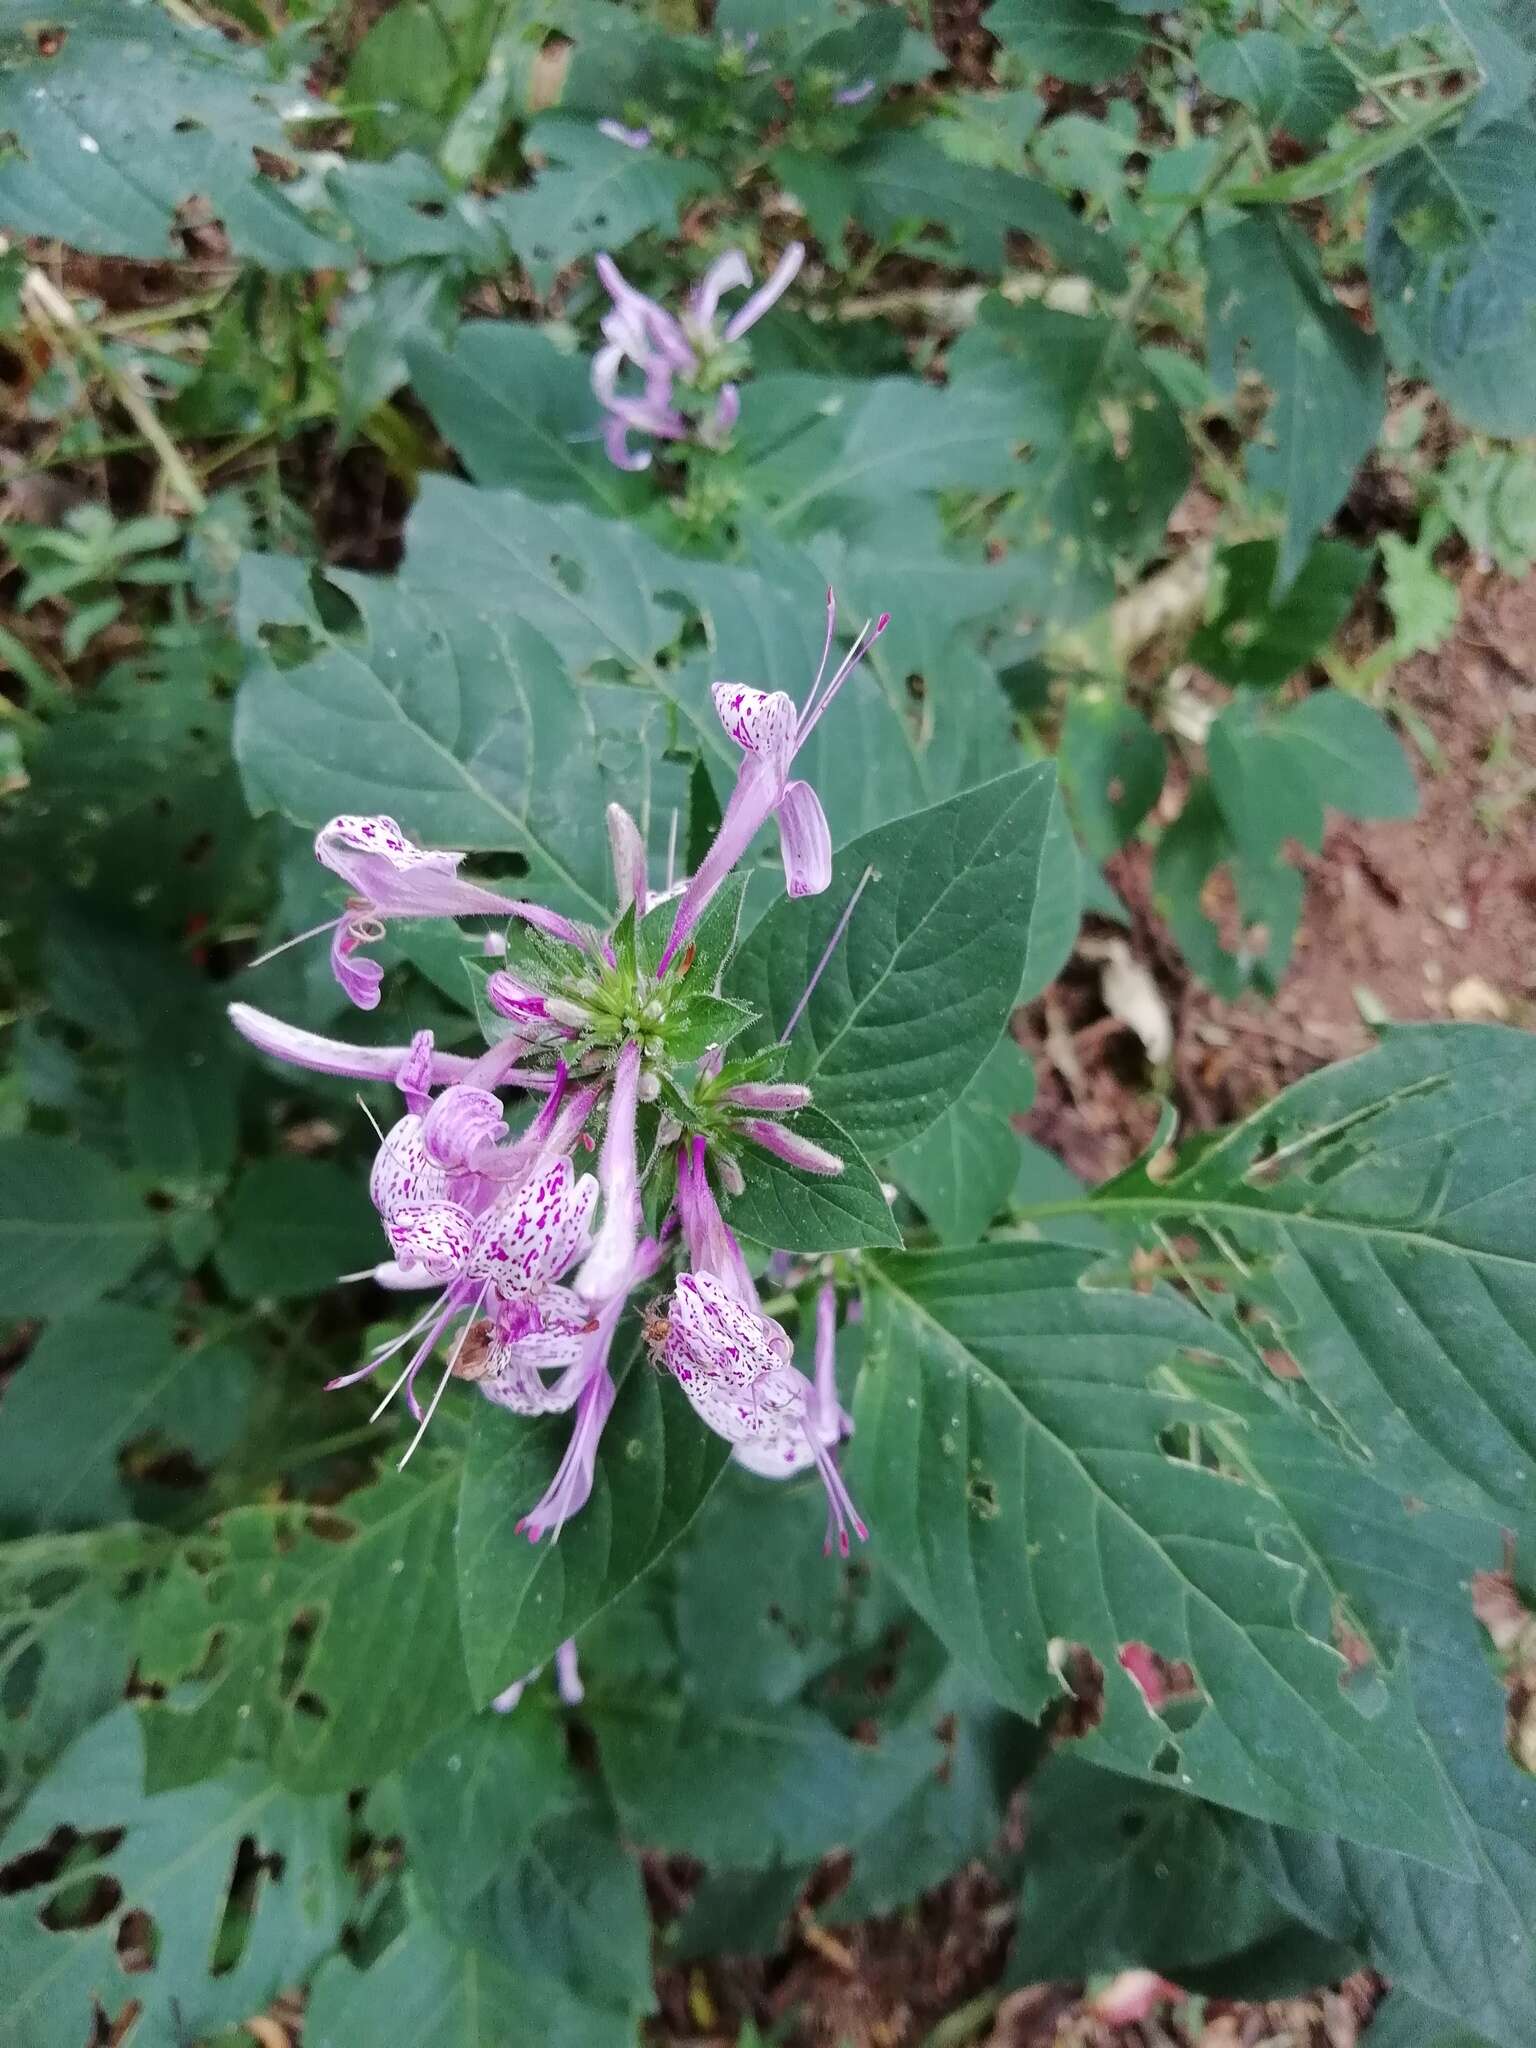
<point>686,364</point>
<point>531,1242</point>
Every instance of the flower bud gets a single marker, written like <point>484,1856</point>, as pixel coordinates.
<point>790,1146</point>
<point>777,1097</point>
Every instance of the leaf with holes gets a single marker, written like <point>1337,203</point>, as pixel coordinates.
<point>1409,1579</point>
<point>161,1905</point>
<point>101,1396</point>
<point>966,902</point>
<point>1012,1450</point>
<point>121,119</point>
<point>1121,1876</point>
<point>1272,311</point>
<point>325,1639</point>
<point>1387,1201</point>
<point>593,193</point>
<point>459,723</point>
<point>518,1600</point>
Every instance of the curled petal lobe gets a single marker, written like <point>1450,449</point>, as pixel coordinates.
<point>762,721</point>
<point>459,1122</point>
<point>804,840</point>
<point>359,977</point>
<point>414,1079</point>
<point>620,454</point>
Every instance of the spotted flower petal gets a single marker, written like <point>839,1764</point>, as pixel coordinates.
<point>533,1235</point>
<point>403,1171</point>
<point>761,721</point>
<point>435,1235</point>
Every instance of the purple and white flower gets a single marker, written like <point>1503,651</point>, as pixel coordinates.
<point>770,732</point>
<point>668,350</point>
<point>735,1364</point>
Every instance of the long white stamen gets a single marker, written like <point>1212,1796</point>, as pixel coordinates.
<point>367,1112</point>
<point>821,965</point>
<point>805,725</point>
<point>826,649</point>
<point>298,940</point>
<point>351,1379</point>
<point>442,1385</point>
<point>672,851</point>
<point>422,1351</point>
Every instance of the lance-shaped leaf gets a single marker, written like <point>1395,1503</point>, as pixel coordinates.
<point>519,1600</point>
<point>127,114</point>
<point>165,1866</point>
<point>1011,1449</point>
<point>968,903</point>
<point>324,1639</point>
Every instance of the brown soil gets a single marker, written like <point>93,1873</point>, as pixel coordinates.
<point>1431,918</point>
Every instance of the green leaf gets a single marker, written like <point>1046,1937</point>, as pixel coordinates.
<point>1425,604</point>
<point>68,1645</point>
<point>1102,452</point>
<point>570,1917</point>
<point>1346,166</point>
<point>1266,910</point>
<point>1121,1876</point>
<point>1401,1572</point>
<point>324,1639</point>
<point>1260,638</point>
<point>1387,1200</point>
<point>967,901</point>
<point>71,1226</point>
<point>595,193</point>
<point>520,412</point>
<point>459,724</point>
<point>471,1802</point>
<point>1491,497</point>
<point>961,1171</point>
<point>794,1211</point>
<point>129,115</point>
<point>902,180</point>
<point>519,1601</point>
<point>1270,310</point>
<point>170,1856</point>
<point>1112,767</point>
<point>1448,254</point>
<point>1272,775</point>
<point>488,1993</point>
<point>296,1225</point>
<point>1010,1454</point>
<point>1085,41</point>
<point>97,1387</point>
<point>1259,69</point>
<point>749,1788</point>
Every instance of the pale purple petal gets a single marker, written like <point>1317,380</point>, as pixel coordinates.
<point>804,840</point>
<point>767,294</point>
<point>727,411</point>
<point>360,978</point>
<point>790,1146</point>
<point>536,1231</point>
<point>571,1487</point>
<point>632,138</point>
<point>360,850</point>
<point>777,1098</point>
<point>568,1675</point>
<point>333,1055</point>
<point>628,850</point>
<point>761,721</point>
<point>829,1416</point>
<point>711,1243</point>
<point>620,454</point>
<point>414,1080</point>
<point>854,95</point>
<point>461,1120</point>
<point>433,1235</point>
<point>758,789</point>
<point>728,273</point>
<point>612,1257</point>
<point>653,317</point>
<point>402,1171</point>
